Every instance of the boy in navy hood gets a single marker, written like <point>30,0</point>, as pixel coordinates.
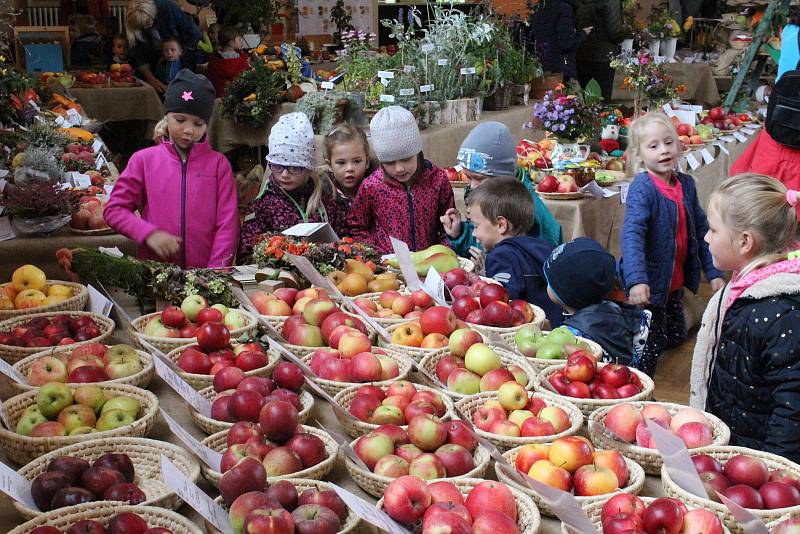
<point>502,213</point>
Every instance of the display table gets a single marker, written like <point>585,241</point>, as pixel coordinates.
<point>225,135</point>
<point>113,104</point>
<point>701,87</point>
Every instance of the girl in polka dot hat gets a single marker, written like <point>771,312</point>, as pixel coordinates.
<point>746,364</point>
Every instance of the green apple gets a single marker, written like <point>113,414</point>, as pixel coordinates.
<point>480,359</point>
<point>234,319</point>
<point>222,308</point>
<point>550,351</point>
<point>518,416</point>
<point>155,328</point>
<point>527,331</point>
<point>52,398</point>
<point>81,430</point>
<point>118,351</point>
<point>192,305</point>
<point>126,404</point>
<point>121,366</point>
<point>111,419</point>
<point>91,396</point>
<point>530,345</point>
<point>562,336</point>
<point>30,418</point>
<point>464,381</point>
<point>76,415</point>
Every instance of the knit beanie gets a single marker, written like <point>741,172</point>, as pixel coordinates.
<point>190,93</point>
<point>489,149</point>
<point>291,141</point>
<point>580,273</point>
<point>394,134</point>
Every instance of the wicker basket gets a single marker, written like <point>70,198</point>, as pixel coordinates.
<point>77,302</point>
<point>23,449</point>
<point>508,333</point>
<point>332,387</point>
<point>139,380</point>
<point>470,405</point>
<point>375,484</point>
<point>302,351</point>
<point>417,353</point>
<point>351,520</point>
<point>198,381</point>
<point>541,363</point>
<point>528,518</point>
<point>355,427</point>
<point>318,472</point>
<point>15,354</point>
<point>146,457</point>
<point>649,459</point>
<point>587,406</point>
<point>722,454</point>
<point>212,426</point>
<point>167,344</point>
<point>633,484</point>
<point>103,511</point>
<point>506,358</point>
<point>384,322</point>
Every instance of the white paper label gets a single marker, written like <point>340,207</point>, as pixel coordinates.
<point>468,70</point>
<point>748,130</point>
<point>676,459</point>
<point>442,62</point>
<point>16,486</point>
<point>434,286</point>
<point>722,147</point>
<point>426,88</point>
<point>61,121</point>
<point>369,512</point>
<point>34,105</point>
<point>406,92</point>
<point>749,523</point>
<point>406,264</point>
<point>386,74</point>
<point>194,496</point>
<point>707,157</point>
<point>98,303</point>
<point>108,188</point>
<point>409,68</point>
<point>327,85</point>
<point>209,456</point>
<point>727,138</point>
<point>74,117</point>
<point>6,232</point>
<point>692,161</point>
<point>623,192</point>
<point>367,319</point>
<point>80,180</point>
<point>740,137</point>
<point>8,370</point>
<point>100,161</point>
<point>427,48</point>
<point>114,252</point>
<point>594,189</point>
<point>668,110</point>
<point>387,98</point>
<point>97,145</point>
<point>181,387</point>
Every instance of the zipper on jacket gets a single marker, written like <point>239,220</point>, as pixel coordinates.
<point>184,161</point>
<point>412,227</point>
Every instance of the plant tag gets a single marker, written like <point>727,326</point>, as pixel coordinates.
<point>406,264</point>
<point>434,286</point>
<point>369,512</point>
<point>468,70</point>
<point>16,486</point>
<point>740,137</point>
<point>707,157</point>
<point>61,121</point>
<point>427,48</point>
<point>748,130</point>
<point>181,387</point>
<point>443,62</point>
<point>668,110</point>
<point>387,98</point>
<point>623,192</point>
<point>74,117</point>
<point>100,161</point>
<point>209,456</point>
<point>6,232</point>
<point>426,88</point>
<point>33,104</point>
<point>692,161</point>
<point>310,272</point>
<point>727,138</point>
<point>8,370</point>
<point>407,92</point>
<point>345,445</point>
<point>676,458</point>
<point>194,496</point>
<point>79,180</point>
<point>409,69</point>
<point>750,524</point>
<point>114,252</point>
<point>97,145</point>
<point>108,188</point>
<point>386,74</point>
<point>722,147</point>
<point>327,85</point>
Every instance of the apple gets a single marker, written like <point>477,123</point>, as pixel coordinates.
<point>213,336</point>
<point>705,462</point>
<point>52,398</point>
<point>372,447</point>
<point>45,486</point>
<point>457,460</point>
<point>445,507</point>
<point>701,521</point>
<point>173,317</point>
<point>192,305</point>
<point>485,417</point>
<point>512,396</point>
<point>745,496</point>
<point>278,420</point>
<point>615,375</point>
<point>570,453</point>
<point>76,415</point>
<point>439,320</point>
<point>663,515</point>
<point>46,369</point>
<point>495,378</point>
<point>309,448</point>
<point>779,495</point>
<point>281,461</point>
<point>269,520</point>
<point>742,469</point>
<point>111,419</point>
<point>427,432</point>
<point>480,359</point>
<point>315,519</point>
<point>327,498</point>
<point>695,434</point>
<point>459,433</point>
<point>406,499</point>
<point>491,495</point>
<point>248,474</point>
<point>622,420</point>
<point>464,306</point>
<point>316,310</point>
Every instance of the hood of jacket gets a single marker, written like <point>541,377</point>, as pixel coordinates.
<point>612,325</point>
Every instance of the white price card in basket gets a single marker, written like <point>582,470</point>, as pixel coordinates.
<point>209,456</point>
<point>426,88</point>
<point>387,98</point>
<point>692,161</point>
<point>434,286</point>
<point>369,512</point>
<point>74,117</point>
<point>108,189</point>
<point>386,74</point>
<point>181,387</point>
<point>327,85</point>
<point>740,137</point>
<point>749,523</point>
<point>16,486</point>
<point>80,180</point>
<point>308,270</point>
<point>406,264</point>
<point>98,303</point>
<point>8,370</point>
<point>677,460</point>
<point>100,161</point>
<point>97,145</point>
<point>194,496</point>
<point>708,159</point>
<point>727,138</point>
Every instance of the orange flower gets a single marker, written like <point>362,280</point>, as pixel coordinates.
<point>278,254</point>
<point>348,240</point>
<point>345,248</point>
<point>681,88</point>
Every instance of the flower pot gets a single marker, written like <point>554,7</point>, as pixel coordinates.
<point>668,47</point>
<point>541,85</point>
<point>454,111</point>
<point>519,94</point>
<point>358,117</point>
<point>654,47</point>
<point>500,99</point>
<point>627,45</point>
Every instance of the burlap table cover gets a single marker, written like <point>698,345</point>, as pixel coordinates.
<point>112,104</point>
<point>698,78</point>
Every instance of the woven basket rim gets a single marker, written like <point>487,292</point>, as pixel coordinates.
<point>138,325</point>
<point>105,324</point>
<point>589,405</point>
<point>74,300</point>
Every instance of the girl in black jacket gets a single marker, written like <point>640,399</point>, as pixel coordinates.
<point>746,364</point>
<point>553,30</point>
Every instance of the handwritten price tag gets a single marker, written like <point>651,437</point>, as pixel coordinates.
<point>692,161</point>
<point>740,137</point>
<point>181,387</point>
<point>194,496</point>
<point>722,147</point>
<point>677,460</point>
<point>98,303</point>
<point>8,370</point>
<point>16,486</point>
<point>100,161</point>
<point>434,286</point>
<point>708,159</point>
<point>74,117</point>
<point>208,456</point>
<point>97,145</point>
<point>368,512</point>
<point>406,264</point>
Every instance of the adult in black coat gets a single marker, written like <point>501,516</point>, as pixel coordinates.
<point>555,37</point>
<point>608,32</point>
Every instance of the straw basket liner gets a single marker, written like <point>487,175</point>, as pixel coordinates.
<point>146,457</point>
<point>541,363</point>
<point>528,518</point>
<point>23,449</point>
<point>507,359</point>
<point>587,406</point>
<point>77,302</point>
<point>104,511</point>
<point>139,380</point>
<point>15,354</point>
<point>632,485</point>
<point>595,509</point>
<point>722,454</point>
<point>166,344</point>
<point>212,426</point>
<point>318,472</point>
<point>351,521</point>
<point>198,381</point>
<point>470,405</point>
<point>332,387</point>
<point>417,353</point>
<point>649,459</point>
<point>508,333</point>
<point>355,427</point>
<point>375,484</point>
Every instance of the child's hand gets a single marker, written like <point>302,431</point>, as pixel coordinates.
<point>451,221</point>
<point>717,284</point>
<point>479,258</point>
<point>164,244</point>
<point>640,295</point>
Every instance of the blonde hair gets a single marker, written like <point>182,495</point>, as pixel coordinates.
<point>321,183</point>
<point>636,134</point>
<point>139,13</point>
<point>755,203</point>
<point>161,129</point>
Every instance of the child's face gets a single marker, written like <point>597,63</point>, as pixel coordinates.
<point>722,243</point>
<point>172,51</point>
<point>120,47</point>
<point>659,150</point>
<point>290,178</point>
<point>402,170</point>
<point>487,233</point>
<point>185,129</point>
<point>475,178</point>
<point>348,163</point>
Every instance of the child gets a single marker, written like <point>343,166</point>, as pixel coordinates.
<point>347,157</point>
<point>228,61</point>
<point>292,192</point>
<point>170,63</point>
<point>406,196</point>
<point>183,190</point>
<point>746,367</point>
<point>662,246</point>
<point>502,211</point>
<point>87,44</point>
<point>580,277</point>
<point>119,49</point>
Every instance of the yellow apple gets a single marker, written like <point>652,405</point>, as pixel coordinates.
<point>29,298</point>
<point>29,277</point>
<point>59,290</point>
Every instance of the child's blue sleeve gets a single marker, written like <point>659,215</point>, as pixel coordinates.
<point>464,240</point>
<point>513,281</point>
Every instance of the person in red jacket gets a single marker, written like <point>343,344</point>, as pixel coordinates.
<point>407,195</point>
<point>228,61</point>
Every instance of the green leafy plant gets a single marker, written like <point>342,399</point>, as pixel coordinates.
<point>341,19</point>
<point>42,160</point>
<point>257,15</point>
<point>326,109</point>
<point>13,82</point>
<point>45,135</point>
<point>251,98</point>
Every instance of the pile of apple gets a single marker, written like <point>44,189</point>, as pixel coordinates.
<point>580,379</point>
<point>572,464</point>
<point>48,332</point>
<point>396,405</point>
<point>280,509</point>
<point>89,215</point>
<point>280,302</point>
<point>359,278</point>
<point>554,345</point>
<point>59,411</point>
<point>429,331</point>
<point>79,157</point>
<point>240,397</point>
<point>514,414</point>
<point>717,118</point>
<point>69,480</point>
<point>489,508</point>
<point>121,73</point>
<point>626,421</point>
<point>93,362</point>
<point>626,513</point>
<point>368,365</point>
<point>430,448</point>
<point>491,306</point>
<point>124,523</point>
<point>275,446</point>
<point>91,78</point>
<point>563,183</point>
<point>186,321</point>
<point>318,322</point>
<point>395,305</point>
<point>29,289</point>
<point>474,367</point>
<point>748,482</point>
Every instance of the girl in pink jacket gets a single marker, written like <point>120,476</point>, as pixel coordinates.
<point>182,189</point>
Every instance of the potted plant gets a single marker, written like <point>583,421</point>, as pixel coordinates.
<point>646,79</point>
<point>664,30</point>
<point>341,19</point>
<point>250,99</point>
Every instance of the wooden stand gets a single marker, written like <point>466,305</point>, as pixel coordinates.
<point>50,33</point>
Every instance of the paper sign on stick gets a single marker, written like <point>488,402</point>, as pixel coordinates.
<point>345,446</point>
<point>369,512</point>
<point>750,524</point>
<point>194,496</point>
<point>676,459</point>
<point>406,264</point>
<point>8,370</point>
<point>16,486</point>
<point>707,157</point>
<point>98,303</point>
<point>310,272</point>
<point>692,161</point>
<point>181,387</point>
<point>435,286</point>
<point>209,456</point>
